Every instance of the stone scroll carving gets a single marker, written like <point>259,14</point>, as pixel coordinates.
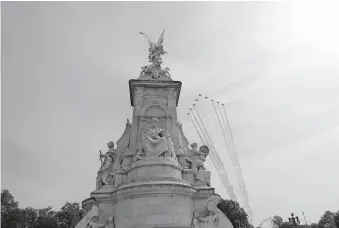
<point>214,217</point>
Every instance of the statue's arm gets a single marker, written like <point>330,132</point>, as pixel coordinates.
<point>105,166</point>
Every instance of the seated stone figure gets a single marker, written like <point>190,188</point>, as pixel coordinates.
<point>155,142</point>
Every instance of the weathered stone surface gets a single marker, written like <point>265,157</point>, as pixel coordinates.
<point>213,218</point>
<point>155,209</point>
<point>170,189</point>
<point>156,168</point>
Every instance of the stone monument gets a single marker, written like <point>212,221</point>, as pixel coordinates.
<point>153,178</point>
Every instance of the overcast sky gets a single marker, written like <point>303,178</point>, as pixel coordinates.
<point>65,71</point>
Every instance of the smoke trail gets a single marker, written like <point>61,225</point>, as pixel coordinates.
<point>219,166</point>
<point>211,143</point>
<point>201,137</point>
<point>234,157</point>
<point>222,129</point>
<point>206,141</point>
<point>227,135</point>
<point>217,125</point>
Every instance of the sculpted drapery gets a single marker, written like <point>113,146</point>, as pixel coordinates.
<point>155,142</point>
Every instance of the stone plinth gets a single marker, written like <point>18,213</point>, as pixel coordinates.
<point>149,191</point>
<point>150,99</point>
<point>187,175</point>
<point>154,204</point>
<point>154,169</point>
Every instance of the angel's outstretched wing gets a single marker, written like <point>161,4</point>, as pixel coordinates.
<point>161,38</point>
<point>147,37</point>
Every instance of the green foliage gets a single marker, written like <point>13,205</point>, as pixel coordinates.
<point>286,225</point>
<point>10,212</point>
<point>28,217</point>
<point>327,220</point>
<point>235,213</point>
<point>336,219</point>
<point>71,213</point>
<point>314,225</point>
<point>14,217</point>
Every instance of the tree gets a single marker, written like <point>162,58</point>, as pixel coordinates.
<point>327,220</point>
<point>9,210</point>
<point>46,221</point>
<point>28,217</point>
<point>314,225</point>
<point>234,213</point>
<point>14,217</point>
<point>286,225</point>
<point>277,221</point>
<point>336,219</point>
<point>69,215</point>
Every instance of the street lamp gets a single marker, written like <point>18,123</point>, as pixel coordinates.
<point>294,220</point>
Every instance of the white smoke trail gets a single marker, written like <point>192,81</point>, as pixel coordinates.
<point>214,155</point>
<point>234,158</point>
<point>223,124</point>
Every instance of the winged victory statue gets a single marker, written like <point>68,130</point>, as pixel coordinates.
<point>156,50</point>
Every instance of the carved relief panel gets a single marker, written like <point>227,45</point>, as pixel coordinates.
<point>146,122</point>
<point>149,112</point>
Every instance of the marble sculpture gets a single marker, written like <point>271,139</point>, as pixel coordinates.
<point>154,177</point>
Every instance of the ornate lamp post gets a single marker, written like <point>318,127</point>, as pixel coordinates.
<point>294,220</point>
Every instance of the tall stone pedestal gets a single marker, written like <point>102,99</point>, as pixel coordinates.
<point>145,191</point>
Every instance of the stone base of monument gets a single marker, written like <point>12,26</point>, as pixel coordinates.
<point>154,192</point>
<point>154,204</point>
<point>203,177</point>
<point>157,168</point>
<point>144,189</point>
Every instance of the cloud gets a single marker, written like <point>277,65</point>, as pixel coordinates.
<point>65,72</point>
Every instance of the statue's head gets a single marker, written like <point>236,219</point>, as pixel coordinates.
<point>194,145</point>
<point>204,149</point>
<point>155,122</point>
<point>110,144</point>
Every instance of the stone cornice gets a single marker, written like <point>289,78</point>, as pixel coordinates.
<point>154,84</point>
